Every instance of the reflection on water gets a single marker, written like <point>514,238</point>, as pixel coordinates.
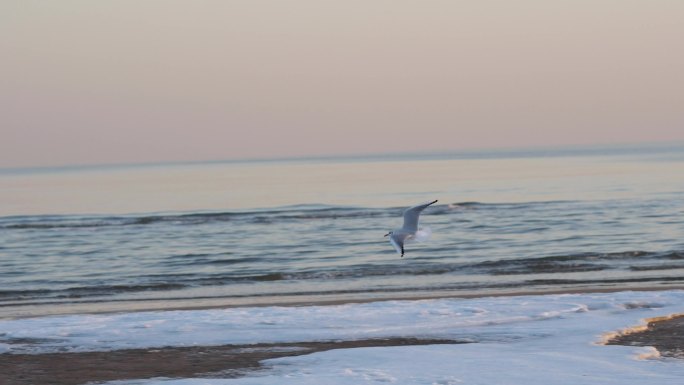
<point>378,182</point>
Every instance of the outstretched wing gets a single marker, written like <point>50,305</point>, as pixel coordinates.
<point>411,216</point>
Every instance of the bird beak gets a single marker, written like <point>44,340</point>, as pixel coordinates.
<point>386,234</point>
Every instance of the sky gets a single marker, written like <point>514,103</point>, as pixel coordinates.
<point>127,81</point>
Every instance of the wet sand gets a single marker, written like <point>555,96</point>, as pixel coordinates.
<point>231,361</point>
<point>665,334</point>
<point>96,307</point>
<point>227,361</point>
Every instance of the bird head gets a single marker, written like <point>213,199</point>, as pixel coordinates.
<point>390,233</point>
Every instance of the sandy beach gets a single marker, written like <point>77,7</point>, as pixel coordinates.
<point>227,361</point>
<point>666,335</point>
<point>664,332</point>
<point>28,311</point>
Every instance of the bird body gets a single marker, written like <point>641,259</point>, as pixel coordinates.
<point>409,231</point>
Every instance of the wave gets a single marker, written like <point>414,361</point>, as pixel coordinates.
<point>265,216</point>
<point>85,291</point>
<point>527,268</point>
<point>579,262</point>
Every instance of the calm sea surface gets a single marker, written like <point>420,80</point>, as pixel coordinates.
<point>179,235</point>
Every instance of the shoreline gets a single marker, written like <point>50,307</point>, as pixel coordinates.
<point>665,334</point>
<point>663,330</point>
<point>126,306</point>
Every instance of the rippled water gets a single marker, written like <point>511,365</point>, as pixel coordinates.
<point>590,221</point>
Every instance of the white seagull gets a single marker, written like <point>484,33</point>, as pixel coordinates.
<point>410,230</point>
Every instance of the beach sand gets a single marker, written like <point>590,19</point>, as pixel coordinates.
<point>227,361</point>
<point>30,311</point>
<point>231,361</point>
<point>665,333</point>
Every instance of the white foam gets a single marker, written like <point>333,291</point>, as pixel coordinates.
<point>520,340</point>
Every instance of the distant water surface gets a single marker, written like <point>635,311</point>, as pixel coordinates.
<point>111,238</point>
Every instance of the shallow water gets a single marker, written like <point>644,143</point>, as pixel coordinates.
<point>305,230</point>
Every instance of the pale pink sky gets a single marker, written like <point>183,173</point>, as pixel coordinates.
<point>142,81</point>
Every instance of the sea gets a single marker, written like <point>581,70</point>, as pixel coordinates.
<point>119,238</point>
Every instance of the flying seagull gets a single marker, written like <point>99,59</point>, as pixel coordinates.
<point>410,230</point>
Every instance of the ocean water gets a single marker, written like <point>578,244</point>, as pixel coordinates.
<point>309,230</point>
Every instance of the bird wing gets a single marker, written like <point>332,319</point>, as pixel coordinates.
<point>398,244</point>
<point>411,216</point>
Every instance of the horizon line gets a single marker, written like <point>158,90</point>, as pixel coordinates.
<point>470,153</point>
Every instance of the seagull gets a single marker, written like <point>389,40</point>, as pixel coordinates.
<point>410,230</point>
